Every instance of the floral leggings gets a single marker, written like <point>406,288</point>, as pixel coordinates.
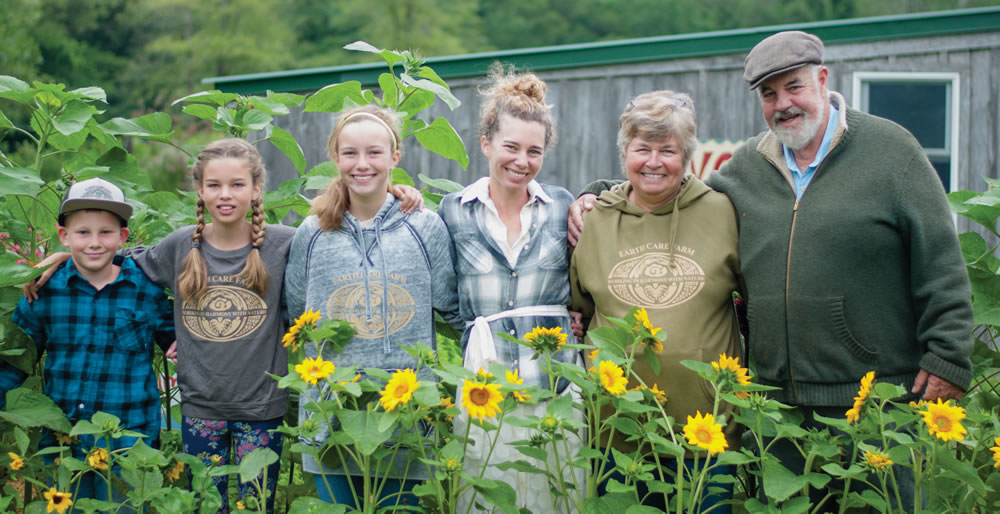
<point>208,438</point>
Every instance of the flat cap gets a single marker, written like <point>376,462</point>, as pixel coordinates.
<point>779,53</point>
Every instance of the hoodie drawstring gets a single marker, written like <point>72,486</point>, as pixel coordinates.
<point>386,346</point>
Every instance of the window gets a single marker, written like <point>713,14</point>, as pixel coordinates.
<point>924,103</point>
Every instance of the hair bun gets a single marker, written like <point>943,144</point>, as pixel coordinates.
<point>530,86</point>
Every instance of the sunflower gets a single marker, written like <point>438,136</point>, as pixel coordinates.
<point>730,372</point>
<point>612,377</point>
<point>481,400</point>
<point>483,375</point>
<point>240,505</point>
<point>16,462</point>
<point>661,396</point>
<point>996,452</point>
<point>866,387</point>
<point>593,355</point>
<point>400,389</point>
<point>546,339</point>
<point>943,421</point>
<point>853,415</point>
<point>878,460</point>
<point>215,459</point>
<point>312,370</point>
<point>704,433</point>
<point>58,502</point>
<point>308,318</point>
<point>516,380</point>
<point>175,472</point>
<point>98,459</point>
<point>642,317</point>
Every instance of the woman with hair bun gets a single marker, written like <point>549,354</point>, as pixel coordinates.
<point>508,234</point>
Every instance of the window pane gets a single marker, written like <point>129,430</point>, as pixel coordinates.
<point>920,107</point>
<point>943,168</point>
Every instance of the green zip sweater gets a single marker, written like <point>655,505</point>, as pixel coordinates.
<point>863,272</point>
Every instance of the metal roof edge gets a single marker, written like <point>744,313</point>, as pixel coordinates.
<point>634,50</point>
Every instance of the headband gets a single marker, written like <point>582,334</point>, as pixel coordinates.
<point>376,118</point>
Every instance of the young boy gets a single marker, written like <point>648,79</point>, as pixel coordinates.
<point>96,320</point>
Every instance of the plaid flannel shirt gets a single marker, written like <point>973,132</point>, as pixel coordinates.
<point>487,284</point>
<point>98,345</point>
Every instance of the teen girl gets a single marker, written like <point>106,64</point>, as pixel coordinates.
<point>357,258</point>
<point>227,278</point>
<point>512,265</point>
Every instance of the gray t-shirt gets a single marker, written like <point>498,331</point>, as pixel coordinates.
<point>230,340</point>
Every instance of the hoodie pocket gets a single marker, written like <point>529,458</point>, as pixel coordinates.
<point>823,348</point>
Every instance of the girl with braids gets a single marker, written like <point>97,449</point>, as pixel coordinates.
<point>227,277</point>
<point>357,258</point>
<point>508,235</point>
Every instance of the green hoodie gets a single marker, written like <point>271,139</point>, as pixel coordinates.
<point>680,263</point>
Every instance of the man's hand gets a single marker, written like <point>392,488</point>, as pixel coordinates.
<point>30,289</point>
<point>575,224</point>
<point>936,387</point>
<point>410,196</point>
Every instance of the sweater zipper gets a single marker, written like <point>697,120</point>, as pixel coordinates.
<point>788,268</point>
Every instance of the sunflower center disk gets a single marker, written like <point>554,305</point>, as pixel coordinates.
<point>479,396</point>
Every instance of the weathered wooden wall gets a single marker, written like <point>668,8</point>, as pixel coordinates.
<point>587,102</point>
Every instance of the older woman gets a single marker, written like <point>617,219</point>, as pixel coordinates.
<point>665,242</point>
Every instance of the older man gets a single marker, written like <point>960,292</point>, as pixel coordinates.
<point>847,246</point>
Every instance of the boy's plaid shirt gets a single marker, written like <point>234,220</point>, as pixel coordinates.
<point>488,285</point>
<point>98,345</point>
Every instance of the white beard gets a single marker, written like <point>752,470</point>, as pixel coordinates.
<point>797,137</point>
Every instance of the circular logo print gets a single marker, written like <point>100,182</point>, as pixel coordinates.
<point>225,313</point>
<point>348,303</point>
<point>654,281</point>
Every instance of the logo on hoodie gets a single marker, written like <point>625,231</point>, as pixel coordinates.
<point>656,280</point>
<point>364,310</point>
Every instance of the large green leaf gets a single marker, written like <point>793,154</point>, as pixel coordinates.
<point>443,184</point>
<point>16,89</point>
<point>331,98</point>
<point>253,464</point>
<point>155,127</point>
<point>73,118</point>
<point>362,428</point>
<point>19,181</point>
<point>441,138</point>
<point>439,91</point>
<point>92,93</point>
<point>256,119</point>
<point>391,57</point>
<point>210,97</point>
<point>779,482</point>
<point>205,112</point>
<point>4,122</point>
<point>390,93</point>
<point>285,142</point>
<point>28,408</point>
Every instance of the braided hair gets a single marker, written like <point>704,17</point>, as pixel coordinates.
<point>193,280</point>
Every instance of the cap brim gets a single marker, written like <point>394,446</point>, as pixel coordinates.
<point>122,210</point>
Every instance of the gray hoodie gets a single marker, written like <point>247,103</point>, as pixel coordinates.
<point>343,274</point>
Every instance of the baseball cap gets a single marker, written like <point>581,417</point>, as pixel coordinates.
<point>779,53</point>
<point>96,194</point>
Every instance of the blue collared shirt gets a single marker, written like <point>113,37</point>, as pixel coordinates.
<point>98,344</point>
<point>488,283</point>
<point>802,178</point>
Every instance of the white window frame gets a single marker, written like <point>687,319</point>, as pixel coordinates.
<point>860,102</point>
